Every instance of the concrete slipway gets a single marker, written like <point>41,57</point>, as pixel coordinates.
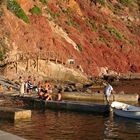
<point>8,136</point>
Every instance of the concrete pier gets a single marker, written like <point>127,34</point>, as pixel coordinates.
<point>125,97</point>
<point>78,106</point>
<point>14,113</point>
<point>66,105</point>
<point>8,136</point>
<point>99,97</point>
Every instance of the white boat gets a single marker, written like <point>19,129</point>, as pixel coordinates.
<point>125,110</point>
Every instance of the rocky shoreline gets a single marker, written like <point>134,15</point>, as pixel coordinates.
<point>93,85</point>
<point>73,86</point>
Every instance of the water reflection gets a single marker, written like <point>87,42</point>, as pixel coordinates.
<point>59,125</point>
<point>122,128</point>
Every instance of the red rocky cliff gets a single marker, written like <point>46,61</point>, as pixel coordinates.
<point>100,37</point>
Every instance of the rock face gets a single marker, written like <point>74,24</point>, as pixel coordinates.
<point>101,37</point>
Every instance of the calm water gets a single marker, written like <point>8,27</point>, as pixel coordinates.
<point>51,125</point>
<point>62,125</point>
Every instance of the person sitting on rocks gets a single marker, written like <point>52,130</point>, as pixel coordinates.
<point>50,89</point>
<point>46,86</point>
<point>59,95</point>
<point>41,94</point>
<point>44,91</point>
<point>47,96</point>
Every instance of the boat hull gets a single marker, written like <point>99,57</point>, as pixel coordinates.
<point>127,114</point>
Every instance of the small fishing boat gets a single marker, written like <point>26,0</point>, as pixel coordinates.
<point>125,110</point>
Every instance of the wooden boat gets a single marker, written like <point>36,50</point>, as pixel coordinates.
<point>125,110</point>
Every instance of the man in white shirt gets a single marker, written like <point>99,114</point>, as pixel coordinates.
<point>107,91</point>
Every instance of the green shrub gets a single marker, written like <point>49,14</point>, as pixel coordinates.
<point>91,23</point>
<point>35,10</point>
<point>14,7</point>
<point>67,11</point>
<point>125,2</point>
<point>132,42</point>
<point>44,2</point>
<point>70,22</point>
<point>54,15</point>
<point>79,47</point>
<point>1,56</point>
<point>118,8</point>
<point>2,52</point>
<point>102,38</point>
<point>115,32</point>
<point>102,2</point>
<point>1,13</point>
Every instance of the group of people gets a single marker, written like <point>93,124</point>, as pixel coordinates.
<point>43,89</point>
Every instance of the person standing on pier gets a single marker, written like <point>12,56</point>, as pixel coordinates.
<point>22,86</point>
<point>108,89</point>
<point>29,85</point>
